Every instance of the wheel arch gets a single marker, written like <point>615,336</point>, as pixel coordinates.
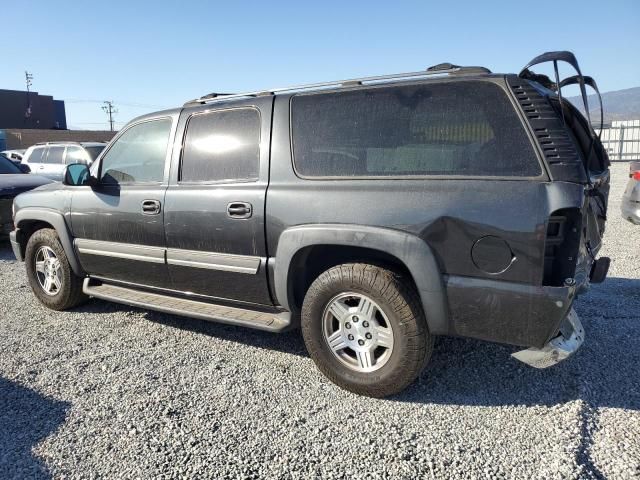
<point>321,246</point>
<point>30,220</point>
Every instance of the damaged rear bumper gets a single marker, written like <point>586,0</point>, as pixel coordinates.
<point>569,339</point>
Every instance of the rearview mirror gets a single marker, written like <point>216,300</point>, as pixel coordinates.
<point>24,168</point>
<point>77,174</point>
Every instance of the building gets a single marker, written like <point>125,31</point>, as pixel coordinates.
<point>19,109</point>
<point>27,118</point>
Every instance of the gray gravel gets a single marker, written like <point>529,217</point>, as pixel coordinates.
<point>108,390</point>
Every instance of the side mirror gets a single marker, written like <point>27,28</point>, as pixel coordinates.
<point>77,174</point>
<point>24,168</point>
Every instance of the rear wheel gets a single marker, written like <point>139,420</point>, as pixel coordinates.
<point>365,329</point>
<point>50,275</point>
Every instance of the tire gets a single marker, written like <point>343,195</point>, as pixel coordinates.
<point>44,245</point>
<point>395,305</point>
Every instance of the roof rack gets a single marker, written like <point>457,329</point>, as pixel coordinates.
<point>440,69</point>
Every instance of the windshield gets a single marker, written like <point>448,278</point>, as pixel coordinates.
<point>7,166</point>
<point>94,151</point>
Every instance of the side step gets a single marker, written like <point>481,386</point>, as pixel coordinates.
<point>273,322</point>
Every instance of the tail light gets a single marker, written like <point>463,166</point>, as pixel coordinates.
<point>634,170</point>
<point>636,175</point>
<point>561,246</point>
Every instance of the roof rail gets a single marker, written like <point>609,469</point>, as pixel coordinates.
<point>69,142</point>
<point>440,69</point>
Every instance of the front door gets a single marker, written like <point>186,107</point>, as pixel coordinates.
<point>214,206</point>
<point>118,224</point>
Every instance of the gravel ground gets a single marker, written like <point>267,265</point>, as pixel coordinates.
<point>107,390</point>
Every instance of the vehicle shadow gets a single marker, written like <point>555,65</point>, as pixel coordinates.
<point>287,342</point>
<point>26,417</point>
<point>598,373</point>
<point>6,253</point>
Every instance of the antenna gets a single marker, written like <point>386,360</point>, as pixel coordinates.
<point>109,110</point>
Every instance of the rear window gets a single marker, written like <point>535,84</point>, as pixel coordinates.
<point>222,146</point>
<point>94,151</point>
<point>457,128</point>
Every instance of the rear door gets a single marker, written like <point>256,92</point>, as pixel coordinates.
<point>215,203</point>
<point>53,164</point>
<point>34,159</point>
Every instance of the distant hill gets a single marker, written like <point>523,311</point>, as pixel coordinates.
<point>618,105</point>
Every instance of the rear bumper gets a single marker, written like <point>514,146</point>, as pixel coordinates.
<point>14,238</point>
<point>569,339</point>
<point>507,312</point>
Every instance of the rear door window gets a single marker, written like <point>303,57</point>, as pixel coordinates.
<point>455,128</point>
<point>55,155</point>
<point>222,146</point>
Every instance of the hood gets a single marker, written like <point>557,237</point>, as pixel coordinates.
<point>14,184</point>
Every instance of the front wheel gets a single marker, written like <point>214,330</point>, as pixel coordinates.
<point>364,327</point>
<point>50,275</point>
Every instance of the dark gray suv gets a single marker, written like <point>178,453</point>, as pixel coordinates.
<point>374,213</point>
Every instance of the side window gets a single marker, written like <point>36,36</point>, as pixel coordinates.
<point>138,155</point>
<point>76,154</point>
<point>456,128</point>
<point>222,146</point>
<point>37,154</point>
<point>55,155</point>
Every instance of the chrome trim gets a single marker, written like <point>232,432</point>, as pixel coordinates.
<point>569,339</point>
<point>214,261</point>
<point>142,253</point>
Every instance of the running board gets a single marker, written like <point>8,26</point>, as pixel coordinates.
<point>273,322</point>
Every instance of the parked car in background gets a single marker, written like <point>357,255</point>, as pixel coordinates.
<point>13,180</point>
<point>49,159</point>
<point>14,155</point>
<point>631,198</point>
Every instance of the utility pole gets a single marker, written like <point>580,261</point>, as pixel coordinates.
<point>28,78</point>
<point>110,110</point>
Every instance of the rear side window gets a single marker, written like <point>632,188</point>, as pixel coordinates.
<point>222,146</point>
<point>457,128</point>
<point>76,155</point>
<point>36,155</point>
<point>54,156</point>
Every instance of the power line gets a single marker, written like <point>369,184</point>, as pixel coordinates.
<point>110,110</point>
<point>124,104</point>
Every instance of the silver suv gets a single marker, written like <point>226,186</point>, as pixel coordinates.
<point>50,159</point>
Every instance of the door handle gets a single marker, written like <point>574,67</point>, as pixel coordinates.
<point>150,207</point>
<point>239,210</point>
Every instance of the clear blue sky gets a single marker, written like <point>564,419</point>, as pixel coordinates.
<point>147,55</point>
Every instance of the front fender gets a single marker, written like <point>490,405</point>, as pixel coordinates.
<point>57,221</point>
<point>412,251</point>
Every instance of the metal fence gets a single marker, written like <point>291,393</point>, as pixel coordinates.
<point>622,140</point>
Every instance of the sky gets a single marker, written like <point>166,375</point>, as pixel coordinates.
<point>149,55</point>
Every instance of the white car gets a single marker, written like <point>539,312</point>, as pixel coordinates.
<point>631,199</point>
<point>50,159</point>
<point>14,155</point>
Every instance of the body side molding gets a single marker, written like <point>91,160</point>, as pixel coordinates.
<point>174,256</point>
<point>214,261</point>
<point>127,251</point>
<point>409,249</point>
